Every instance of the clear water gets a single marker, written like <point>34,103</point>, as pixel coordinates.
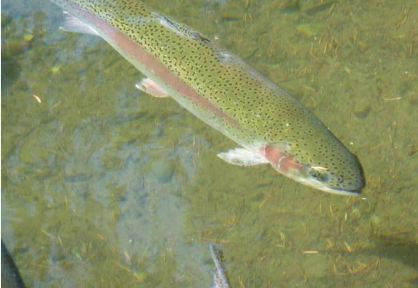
<point>104,186</point>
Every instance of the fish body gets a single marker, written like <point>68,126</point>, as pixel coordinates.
<point>222,90</point>
<point>220,280</point>
<point>10,276</point>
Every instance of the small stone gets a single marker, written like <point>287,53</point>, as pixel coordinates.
<point>362,112</point>
<point>162,170</point>
<point>291,7</point>
<point>310,30</point>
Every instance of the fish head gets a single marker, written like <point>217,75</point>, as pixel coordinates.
<point>335,170</point>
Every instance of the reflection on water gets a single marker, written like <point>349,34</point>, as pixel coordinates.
<point>103,186</point>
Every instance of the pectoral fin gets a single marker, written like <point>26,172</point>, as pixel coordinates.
<point>150,87</point>
<point>243,157</point>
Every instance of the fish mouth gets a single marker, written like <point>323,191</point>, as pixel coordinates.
<point>326,188</point>
<point>354,193</point>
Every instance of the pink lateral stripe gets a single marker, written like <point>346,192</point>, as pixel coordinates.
<point>148,60</point>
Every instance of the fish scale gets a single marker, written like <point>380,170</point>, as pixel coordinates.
<point>226,93</point>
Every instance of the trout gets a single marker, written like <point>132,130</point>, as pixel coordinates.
<point>269,125</point>
<point>220,280</point>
